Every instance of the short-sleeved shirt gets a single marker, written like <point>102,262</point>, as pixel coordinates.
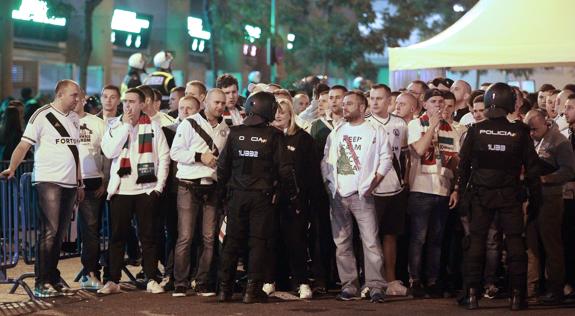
<point>91,133</point>
<point>53,159</point>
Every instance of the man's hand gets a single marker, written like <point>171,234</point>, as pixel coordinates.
<point>209,159</point>
<point>81,195</point>
<point>128,117</point>
<point>374,183</point>
<point>434,119</point>
<point>8,173</point>
<point>100,191</point>
<point>453,200</point>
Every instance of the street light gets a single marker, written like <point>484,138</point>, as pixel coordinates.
<point>458,7</point>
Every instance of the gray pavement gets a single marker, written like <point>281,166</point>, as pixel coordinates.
<point>136,302</point>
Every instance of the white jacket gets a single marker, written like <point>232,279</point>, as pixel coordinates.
<point>189,145</point>
<point>378,159</point>
<point>114,139</point>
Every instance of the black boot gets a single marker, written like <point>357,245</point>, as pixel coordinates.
<point>518,301</point>
<point>254,293</point>
<point>225,292</point>
<point>470,300</point>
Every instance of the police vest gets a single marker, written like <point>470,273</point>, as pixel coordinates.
<point>498,145</point>
<point>253,152</point>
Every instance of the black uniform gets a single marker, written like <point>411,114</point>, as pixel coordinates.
<point>250,164</point>
<point>492,158</point>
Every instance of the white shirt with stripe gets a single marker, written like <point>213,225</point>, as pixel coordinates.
<point>53,159</point>
<point>396,129</point>
<point>92,130</point>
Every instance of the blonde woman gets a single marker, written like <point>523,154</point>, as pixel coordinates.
<point>293,218</point>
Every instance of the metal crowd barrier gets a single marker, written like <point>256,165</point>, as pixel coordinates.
<point>25,166</point>
<point>9,244</point>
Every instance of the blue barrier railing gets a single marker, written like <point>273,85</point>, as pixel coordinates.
<point>25,166</point>
<point>29,210</point>
<point>10,242</point>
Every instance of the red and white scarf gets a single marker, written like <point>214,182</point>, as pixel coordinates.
<point>145,159</point>
<point>443,147</point>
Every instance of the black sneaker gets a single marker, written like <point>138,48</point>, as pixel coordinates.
<point>416,289</point>
<point>434,291</point>
<point>141,275</point>
<point>63,289</point>
<point>344,296</point>
<point>377,297</point>
<point>180,291</point>
<point>203,290</point>
<point>491,292</point>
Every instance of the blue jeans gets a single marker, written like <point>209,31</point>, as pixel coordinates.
<point>343,211</point>
<point>190,203</point>
<point>428,215</point>
<point>55,212</point>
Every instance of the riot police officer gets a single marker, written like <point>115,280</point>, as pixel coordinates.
<point>250,164</point>
<point>162,79</point>
<point>492,158</point>
<point>136,68</point>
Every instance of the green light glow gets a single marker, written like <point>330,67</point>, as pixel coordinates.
<point>128,21</point>
<point>36,11</point>
<point>196,29</point>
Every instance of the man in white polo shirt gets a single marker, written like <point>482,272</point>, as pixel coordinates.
<point>54,132</point>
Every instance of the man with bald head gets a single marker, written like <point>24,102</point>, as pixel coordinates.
<point>462,91</point>
<point>558,163</point>
<point>54,131</point>
<point>405,106</point>
<point>196,147</point>
<point>300,102</point>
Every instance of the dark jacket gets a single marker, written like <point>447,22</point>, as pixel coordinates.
<point>301,151</point>
<point>558,161</point>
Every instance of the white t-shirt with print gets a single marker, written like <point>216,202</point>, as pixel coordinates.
<point>352,145</point>
<point>53,159</point>
<point>91,132</point>
<point>431,183</point>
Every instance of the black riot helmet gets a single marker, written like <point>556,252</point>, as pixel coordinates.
<point>500,96</point>
<point>260,108</point>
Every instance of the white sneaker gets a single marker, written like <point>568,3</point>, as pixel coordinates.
<point>365,293</point>
<point>90,282</point>
<point>154,287</point>
<point>269,288</point>
<point>305,292</point>
<point>110,288</point>
<point>396,288</point>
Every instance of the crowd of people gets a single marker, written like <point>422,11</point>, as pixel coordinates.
<point>431,191</point>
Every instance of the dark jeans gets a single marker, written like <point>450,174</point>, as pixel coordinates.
<point>190,202</point>
<point>547,229</point>
<point>122,208</point>
<point>511,224</point>
<point>569,240</point>
<point>56,208</point>
<point>428,214</point>
<point>249,227</point>
<point>168,231</point>
<point>89,223</point>
<point>292,228</point>
<point>322,247</point>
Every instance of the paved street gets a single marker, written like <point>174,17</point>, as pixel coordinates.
<point>136,302</point>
